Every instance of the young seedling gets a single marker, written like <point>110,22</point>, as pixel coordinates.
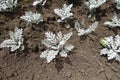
<point>115,22</point>
<point>56,45</point>
<point>102,42</point>
<point>64,13</point>
<point>7,5</point>
<point>15,42</point>
<point>93,5</point>
<point>81,29</point>
<point>31,17</point>
<point>111,47</point>
<point>39,2</point>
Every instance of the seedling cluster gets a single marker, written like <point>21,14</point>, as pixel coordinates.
<point>56,43</point>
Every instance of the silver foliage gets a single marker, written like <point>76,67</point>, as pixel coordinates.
<point>15,42</point>
<point>93,4</point>
<point>64,13</point>
<point>113,48</point>
<point>31,17</point>
<point>41,2</point>
<point>81,28</point>
<point>115,22</point>
<point>7,5</point>
<point>56,45</point>
<point>117,4</point>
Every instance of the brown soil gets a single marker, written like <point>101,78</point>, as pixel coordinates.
<point>83,63</point>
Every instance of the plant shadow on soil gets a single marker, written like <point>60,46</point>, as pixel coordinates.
<point>59,62</point>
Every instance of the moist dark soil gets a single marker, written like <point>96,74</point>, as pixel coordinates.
<point>83,62</point>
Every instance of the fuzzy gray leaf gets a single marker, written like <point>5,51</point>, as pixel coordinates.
<point>15,42</point>
<point>7,5</point>
<point>49,55</point>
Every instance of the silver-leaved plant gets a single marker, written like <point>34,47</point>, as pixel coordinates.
<point>7,5</point>
<point>93,5</point>
<point>39,2</point>
<point>64,13</point>
<point>115,22</point>
<point>56,45</point>
<point>111,47</point>
<point>117,4</point>
<point>83,30</point>
<point>31,17</point>
<point>15,42</point>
